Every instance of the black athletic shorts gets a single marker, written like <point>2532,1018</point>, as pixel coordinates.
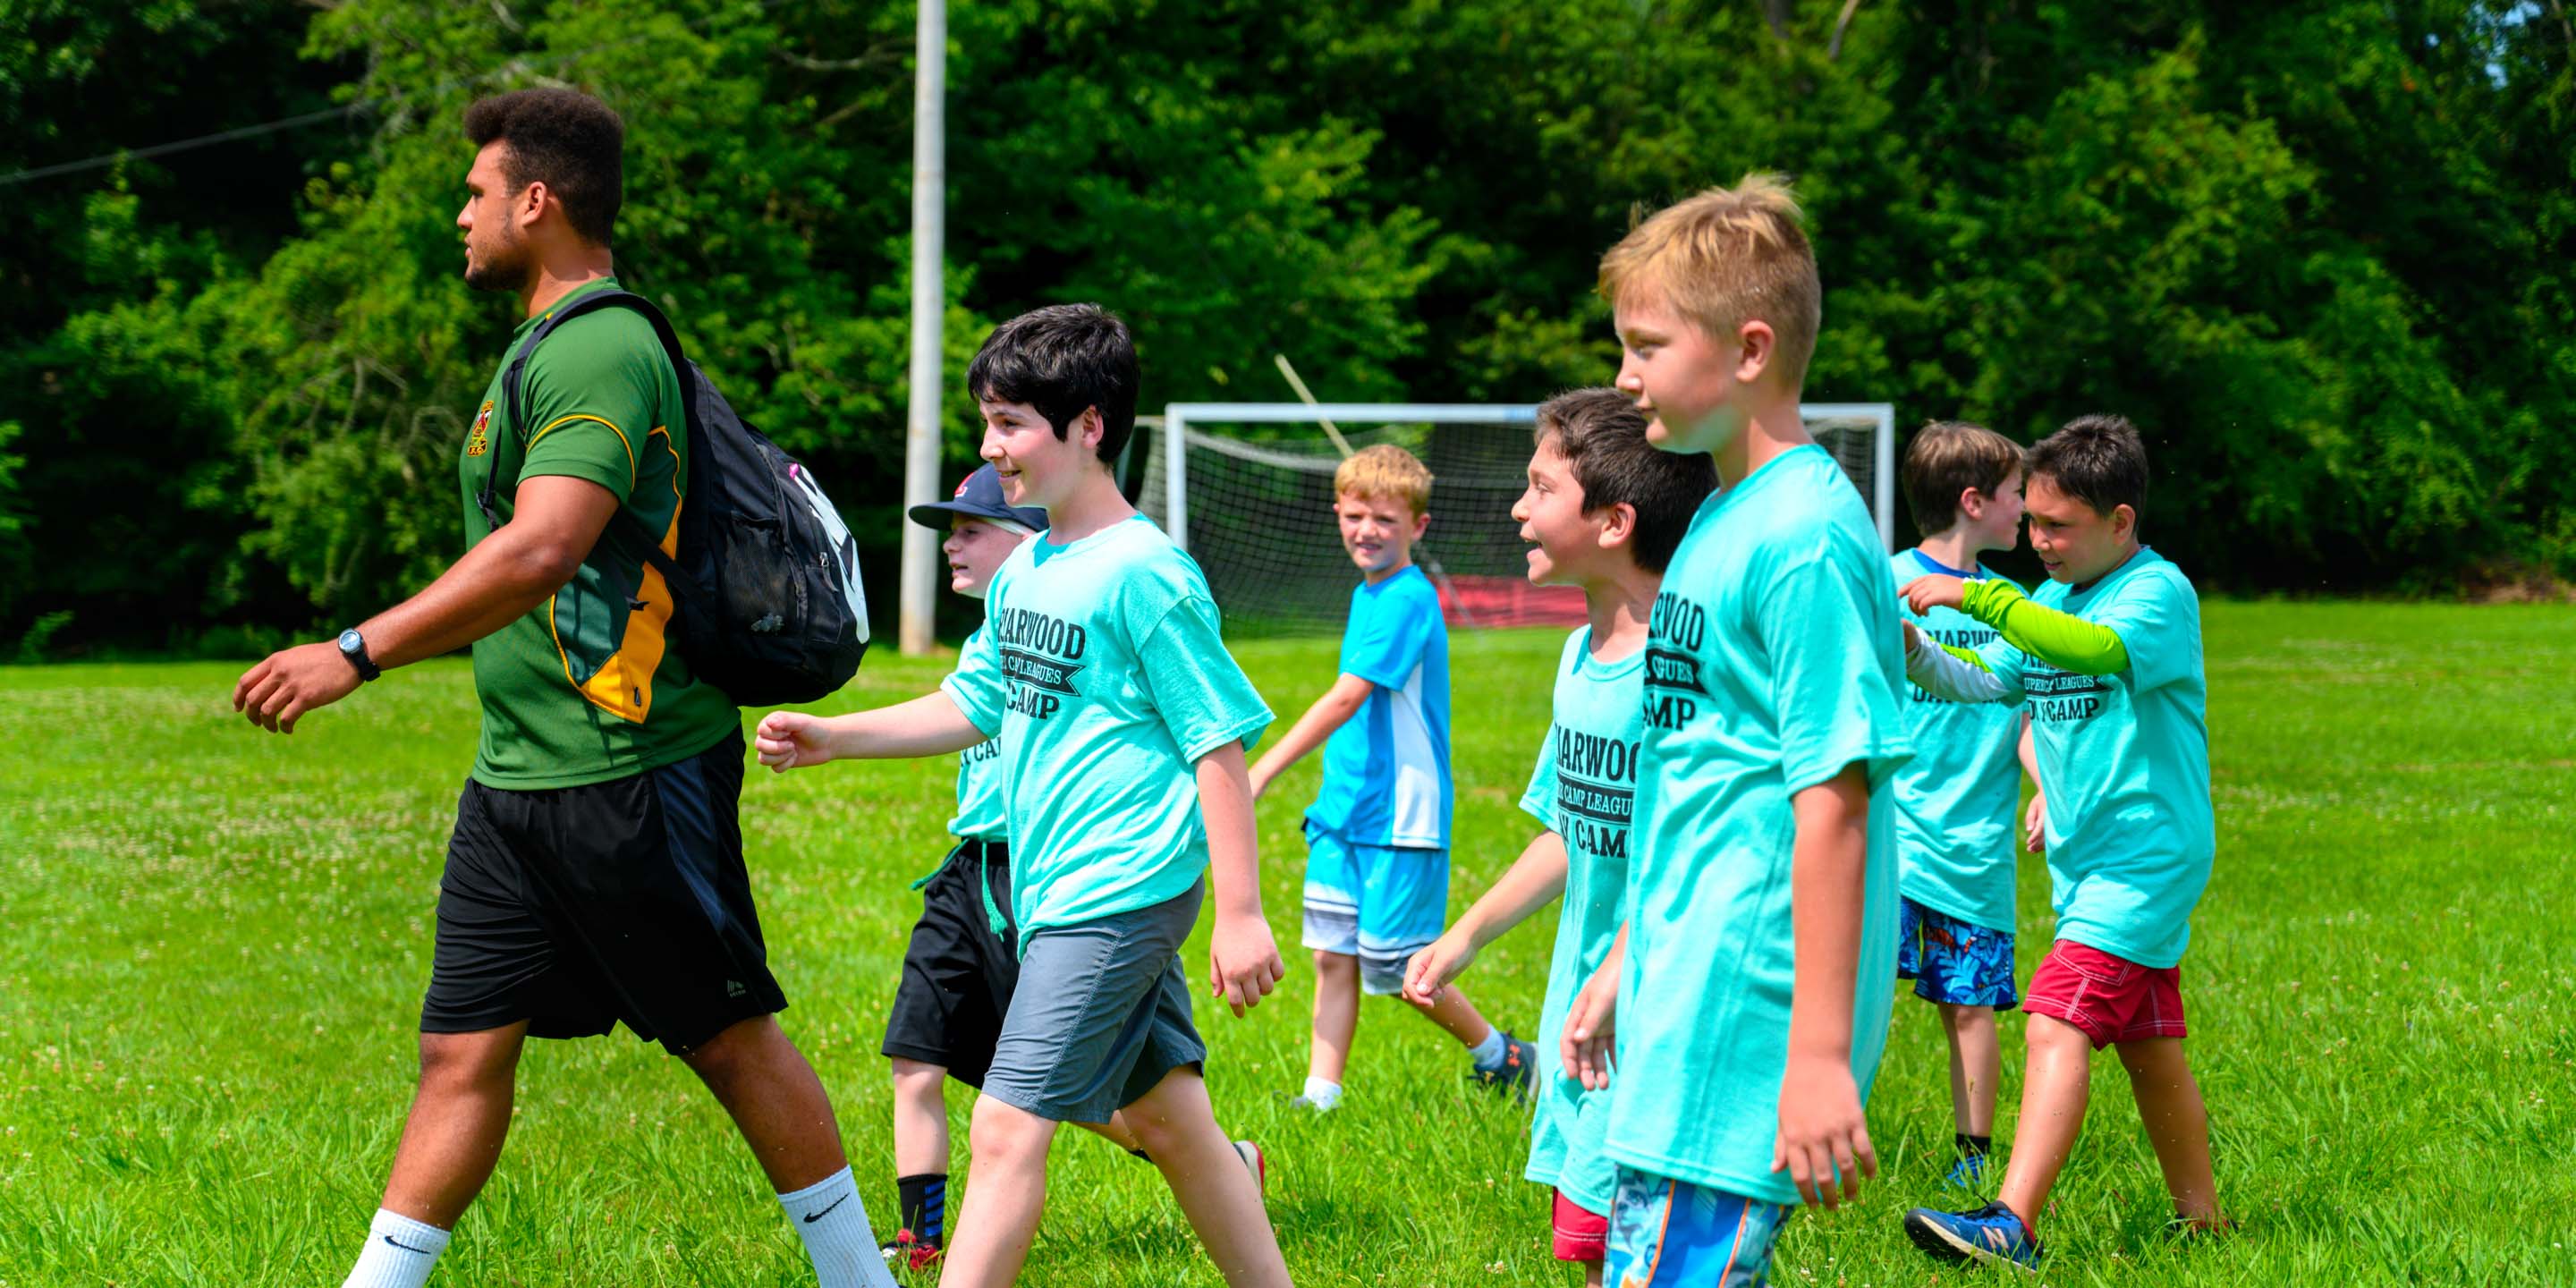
<point>958,975</point>
<point>576,908</point>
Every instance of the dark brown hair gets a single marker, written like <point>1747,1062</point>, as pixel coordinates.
<point>1948,457</point>
<point>2099,460</point>
<point>567,140</point>
<point>1602,435</point>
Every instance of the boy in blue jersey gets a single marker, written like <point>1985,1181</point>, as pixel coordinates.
<point>1603,511</point>
<point>1751,997</point>
<point>1377,836</point>
<point>1956,799</point>
<point>1123,722</point>
<point>2108,657</point>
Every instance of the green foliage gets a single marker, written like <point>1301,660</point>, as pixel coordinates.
<point>2319,253</point>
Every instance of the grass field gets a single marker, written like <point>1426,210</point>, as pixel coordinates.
<point>215,941</point>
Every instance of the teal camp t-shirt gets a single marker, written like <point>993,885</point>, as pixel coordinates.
<point>1773,661</point>
<point>982,814</point>
<point>1583,789</point>
<point>1101,670</point>
<point>1956,800</point>
<point>2125,762</point>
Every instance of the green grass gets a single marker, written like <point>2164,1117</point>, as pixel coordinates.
<point>215,941</point>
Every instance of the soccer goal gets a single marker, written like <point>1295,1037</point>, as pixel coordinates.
<point>1247,489</point>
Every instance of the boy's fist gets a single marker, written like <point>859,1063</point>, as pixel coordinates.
<point>2034,825</point>
<point>1243,962</point>
<point>790,740</point>
<point>1923,594</point>
<point>1822,1134</point>
<point>1431,969</point>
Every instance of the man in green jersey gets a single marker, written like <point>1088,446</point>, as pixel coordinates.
<point>596,873</point>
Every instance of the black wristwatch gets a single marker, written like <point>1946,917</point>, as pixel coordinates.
<point>353,647</point>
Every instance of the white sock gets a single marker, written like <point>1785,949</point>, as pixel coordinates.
<point>1324,1095</point>
<point>834,1224</point>
<point>1488,1054</point>
<point>399,1253</point>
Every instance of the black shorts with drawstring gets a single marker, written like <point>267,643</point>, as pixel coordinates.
<point>959,972</point>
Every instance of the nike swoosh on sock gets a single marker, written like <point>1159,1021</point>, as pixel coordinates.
<point>812,1217</point>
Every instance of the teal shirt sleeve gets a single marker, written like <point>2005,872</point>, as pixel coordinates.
<point>976,685</point>
<point>590,392</point>
<point>1383,646</point>
<point>1539,801</point>
<point>2060,639</point>
<point>1204,698</point>
<point>2157,618</point>
<point>1822,627</point>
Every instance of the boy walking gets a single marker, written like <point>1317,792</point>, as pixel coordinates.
<point>1956,799</point>
<point>1122,721</point>
<point>2108,654</point>
<point>1377,836</point>
<point>1603,511</point>
<point>1751,1001</point>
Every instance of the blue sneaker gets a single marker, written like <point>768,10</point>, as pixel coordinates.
<point>1969,1174</point>
<point>1991,1234</point>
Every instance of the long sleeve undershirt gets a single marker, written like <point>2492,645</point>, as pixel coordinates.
<point>2060,639</point>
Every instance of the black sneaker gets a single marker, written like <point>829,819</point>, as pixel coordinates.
<point>1517,1072</point>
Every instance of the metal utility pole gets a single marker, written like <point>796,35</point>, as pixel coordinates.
<point>929,249</point>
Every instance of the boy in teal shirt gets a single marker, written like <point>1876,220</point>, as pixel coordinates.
<point>1377,836</point>
<point>1123,722</point>
<point>1751,1000</point>
<point>1956,799</point>
<point>1603,511</point>
<point>2108,656</point>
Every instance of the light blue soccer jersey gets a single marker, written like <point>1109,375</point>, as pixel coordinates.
<point>2125,761</point>
<point>1583,789</point>
<point>1101,670</point>
<point>982,814</point>
<point>1956,800</point>
<point>1774,661</point>
<point>1386,770</point>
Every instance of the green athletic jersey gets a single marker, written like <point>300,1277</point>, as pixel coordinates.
<point>583,688</point>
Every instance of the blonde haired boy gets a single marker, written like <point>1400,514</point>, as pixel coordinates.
<point>1751,995</point>
<point>1377,836</point>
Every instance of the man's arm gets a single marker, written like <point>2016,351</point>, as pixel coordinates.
<point>519,566</point>
<point>930,725</point>
<point>1243,958</point>
<point>1534,881</point>
<point>1822,1132</point>
<point>1330,712</point>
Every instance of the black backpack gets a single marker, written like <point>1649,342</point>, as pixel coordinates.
<point>769,607</point>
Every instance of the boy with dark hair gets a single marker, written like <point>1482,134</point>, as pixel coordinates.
<point>1751,999</point>
<point>1956,799</point>
<point>1123,722</point>
<point>2108,654</point>
<point>1377,836</point>
<point>1603,511</point>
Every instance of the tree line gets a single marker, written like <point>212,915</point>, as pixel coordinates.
<point>2319,252</point>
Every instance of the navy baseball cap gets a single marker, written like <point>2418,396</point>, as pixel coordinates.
<point>979,497</point>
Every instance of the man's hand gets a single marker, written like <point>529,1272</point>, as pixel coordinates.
<point>791,740</point>
<point>1583,1051</point>
<point>277,692</point>
<point>1923,594</point>
<point>1243,962</point>
<point>2034,825</point>
<point>1822,1132</point>
<point>1431,969</point>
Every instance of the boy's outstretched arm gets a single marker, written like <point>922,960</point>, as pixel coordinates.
<point>1950,673</point>
<point>2060,639</point>
<point>1822,1132</point>
<point>929,725</point>
<point>1243,958</point>
<point>1534,881</point>
<point>1339,703</point>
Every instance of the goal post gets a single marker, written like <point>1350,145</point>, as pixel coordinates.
<point>1247,489</point>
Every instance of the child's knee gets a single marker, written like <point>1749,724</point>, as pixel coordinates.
<point>914,1080</point>
<point>1004,1135</point>
<point>1338,968</point>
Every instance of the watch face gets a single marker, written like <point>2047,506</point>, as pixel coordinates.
<point>350,641</point>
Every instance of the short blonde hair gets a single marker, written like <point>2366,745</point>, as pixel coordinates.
<point>1385,470</point>
<point>1723,258</point>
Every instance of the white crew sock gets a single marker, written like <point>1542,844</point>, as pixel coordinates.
<point>834,1224</point>
<point>1488,1054</point>
<point>1323,1095</point>
<point>399,1253</point>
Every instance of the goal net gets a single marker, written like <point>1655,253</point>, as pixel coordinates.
<point>1247,489</point>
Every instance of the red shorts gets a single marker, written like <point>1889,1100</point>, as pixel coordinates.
<point>2107,998</point>
<point>1581,1234</point>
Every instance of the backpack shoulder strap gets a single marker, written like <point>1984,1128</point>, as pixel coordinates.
<point>513,377</point>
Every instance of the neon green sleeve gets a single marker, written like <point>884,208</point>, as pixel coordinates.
<point>2062,640</point>
<point>1967,655</point>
